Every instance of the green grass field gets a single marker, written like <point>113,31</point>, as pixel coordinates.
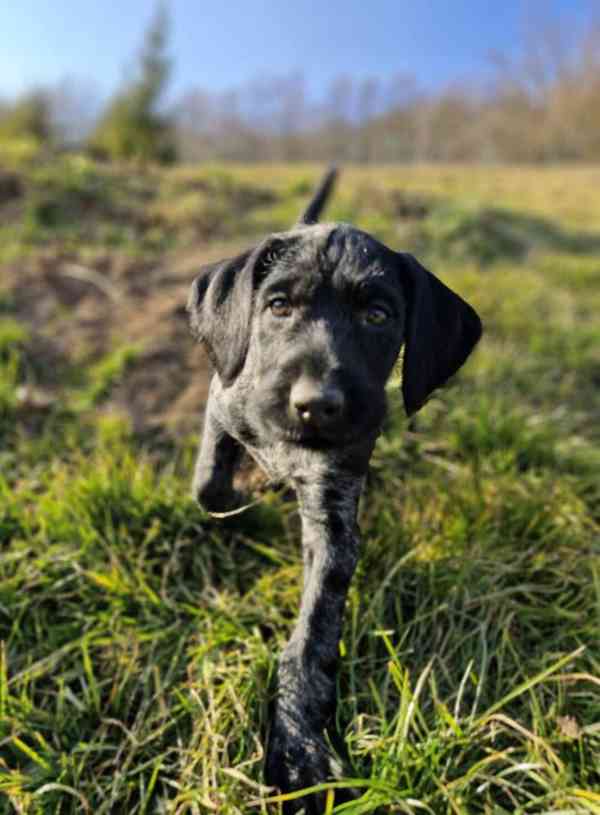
<point>139,637</point>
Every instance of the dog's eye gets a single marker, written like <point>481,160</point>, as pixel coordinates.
<point>376,315</point>
<point>280,307</point>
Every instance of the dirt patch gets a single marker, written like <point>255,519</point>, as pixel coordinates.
<point>77,313</point>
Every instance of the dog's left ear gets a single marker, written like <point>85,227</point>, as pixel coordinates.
<point>441,331</point>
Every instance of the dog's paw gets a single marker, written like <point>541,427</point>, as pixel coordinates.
<point>214,496</point>
<point>296,761</point>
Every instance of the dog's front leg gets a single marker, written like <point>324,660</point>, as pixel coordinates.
<point>297,755</point>
<point>217,458</point>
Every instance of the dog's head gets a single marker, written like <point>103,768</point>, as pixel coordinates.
<point>313,320</point>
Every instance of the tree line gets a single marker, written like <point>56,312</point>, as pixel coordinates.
<point>543,105</point>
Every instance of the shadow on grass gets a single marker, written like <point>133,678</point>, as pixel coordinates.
<point>486,235</point>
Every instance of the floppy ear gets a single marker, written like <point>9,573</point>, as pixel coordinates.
<point>220,305</point>
<point>441,332</point>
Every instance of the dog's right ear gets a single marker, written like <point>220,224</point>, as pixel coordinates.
<point>220,305</point>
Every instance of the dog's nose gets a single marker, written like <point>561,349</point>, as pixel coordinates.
<point>317,404</point>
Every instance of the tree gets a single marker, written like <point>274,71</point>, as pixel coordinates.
<point>134,126</point>
<point>29,117</point>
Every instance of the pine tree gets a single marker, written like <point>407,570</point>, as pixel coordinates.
<point>133,126</point>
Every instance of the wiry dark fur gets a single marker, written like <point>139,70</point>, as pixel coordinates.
<point>302,387</point>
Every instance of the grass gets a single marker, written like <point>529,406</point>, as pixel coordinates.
<point>139,637</point>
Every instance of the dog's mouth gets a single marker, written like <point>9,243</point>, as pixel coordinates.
<point>315,438</point>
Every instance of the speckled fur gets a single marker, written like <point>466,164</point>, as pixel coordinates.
<point>324,268</point>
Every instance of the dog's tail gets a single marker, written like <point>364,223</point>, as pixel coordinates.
<point>319,199</point>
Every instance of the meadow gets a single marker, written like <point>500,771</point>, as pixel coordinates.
<point>139,636</point>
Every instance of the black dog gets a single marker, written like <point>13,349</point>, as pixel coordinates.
<point>303,331</point>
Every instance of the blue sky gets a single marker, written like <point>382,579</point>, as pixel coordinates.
<point>219,45</point>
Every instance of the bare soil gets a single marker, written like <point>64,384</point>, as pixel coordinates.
<point>76,313</point>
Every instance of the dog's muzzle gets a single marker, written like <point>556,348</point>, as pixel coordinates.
<point>316,411</point>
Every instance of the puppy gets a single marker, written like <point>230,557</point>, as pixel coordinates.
<point>303,331</point>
